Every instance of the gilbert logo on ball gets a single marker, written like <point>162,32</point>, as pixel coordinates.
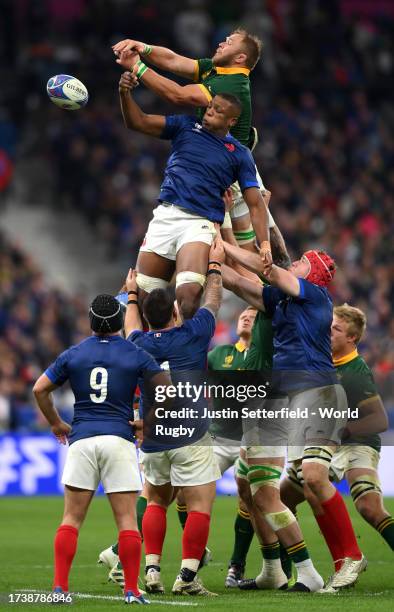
<point>67,92</point>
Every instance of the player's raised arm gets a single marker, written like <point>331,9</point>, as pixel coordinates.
<point>214,287</point>
<point>134,118</point>
<point>163,58</point>
<point>246,289</point>
<point>259,218</point>
<point>251,261</point>
<point>181,95</point>
<point>132,319</point>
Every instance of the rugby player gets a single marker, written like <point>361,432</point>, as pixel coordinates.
<point>302,314</point>
<point>185,462</point>
<point>227,72</point>
<point>103,371</point>
<point>204,162</point>
<point>358,458</point>
<point>227,434</point>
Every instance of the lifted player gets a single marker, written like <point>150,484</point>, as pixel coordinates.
<point>205,161</point>
<point>227,72</point>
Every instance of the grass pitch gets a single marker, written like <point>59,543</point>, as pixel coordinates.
<point>27,526</point>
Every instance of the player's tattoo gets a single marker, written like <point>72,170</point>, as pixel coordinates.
<point>280,255</point>
<point>213,293</point>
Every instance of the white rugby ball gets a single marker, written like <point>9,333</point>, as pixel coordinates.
<point>67,92</point>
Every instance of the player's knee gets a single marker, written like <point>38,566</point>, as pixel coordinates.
<point>146,284</point>
<point>315,477</point>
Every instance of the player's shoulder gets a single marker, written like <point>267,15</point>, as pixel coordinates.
<point>221,348</point>
<point>203,315</point>
<point>358,364</point>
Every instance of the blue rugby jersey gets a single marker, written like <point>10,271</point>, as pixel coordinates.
<point>302,335</point>
<point>103,372</point>
<point>202,166</point>
<point>183,350</point>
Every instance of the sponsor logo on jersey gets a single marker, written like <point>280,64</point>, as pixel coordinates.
<point>230,147</point>
<point>229,359</point>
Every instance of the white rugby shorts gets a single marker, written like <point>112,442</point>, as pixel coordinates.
<point>172,227</point>
<point>226,452</point>
<point>350,457</point>
<point>186,466</point>
<point>109,459</point>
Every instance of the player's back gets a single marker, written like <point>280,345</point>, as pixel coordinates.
<point>182,348</point>
<point>103,372</point>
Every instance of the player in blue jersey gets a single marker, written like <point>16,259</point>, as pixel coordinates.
<point>103,371</point>
<point>186,461</point>
<point>204,162</point>
<point>301,310</point>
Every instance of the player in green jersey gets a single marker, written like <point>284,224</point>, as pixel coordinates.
<point>358,458</point>
<point>226,72</point>
<point>227,435</point>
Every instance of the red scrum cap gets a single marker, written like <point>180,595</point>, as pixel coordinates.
<point>322,268</point>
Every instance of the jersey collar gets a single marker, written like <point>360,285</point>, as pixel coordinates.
<point>342,360</point>
<point>232,70</point>
<point>240,346</point>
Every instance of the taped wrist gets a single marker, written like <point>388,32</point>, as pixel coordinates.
<point>141,69</point>
<point>147,50</point>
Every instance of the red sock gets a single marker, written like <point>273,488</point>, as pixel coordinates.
<point>336,513</point>
<point>195,535</point>
<point>331,537</point>
<point>129,549</point>
<point>65,548</point>
<point>154,525</point>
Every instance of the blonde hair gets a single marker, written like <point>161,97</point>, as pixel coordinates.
<point>355,319</point>
<point>253,46</point>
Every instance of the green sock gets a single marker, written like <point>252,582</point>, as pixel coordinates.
<point>270,551</point>
<point>182,514</point>
<point>386,530</point>
<point>285,562</point>
<point>141,507</point>
<point>115,548</point>
<point>298,552</point>
<point>243,532</point>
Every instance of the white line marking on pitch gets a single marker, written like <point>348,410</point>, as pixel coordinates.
<point>116,598</point>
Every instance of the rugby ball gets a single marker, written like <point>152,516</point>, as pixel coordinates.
<point>67,92</point>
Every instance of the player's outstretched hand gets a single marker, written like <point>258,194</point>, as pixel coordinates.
<point>61,431</point>
<point>128,45</point>
<point>131,280</point>
<point>128,59</point>
<point>138,428</point>
<point>228,199</point>
<point>127,82</point>
<point>216,252</point>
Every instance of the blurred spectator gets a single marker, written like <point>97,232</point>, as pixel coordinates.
<point>37,322</point>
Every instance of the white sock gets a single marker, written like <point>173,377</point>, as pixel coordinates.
<point>152,560</point>
<point>190,564</point>
<point>307,575</point>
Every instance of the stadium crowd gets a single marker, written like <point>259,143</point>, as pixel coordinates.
<point>320,101</point>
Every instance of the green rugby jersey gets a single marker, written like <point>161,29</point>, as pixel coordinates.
<point>357,380</point>
<point>227,357</point>
<point>261,348</point>
<point>233,80</point>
